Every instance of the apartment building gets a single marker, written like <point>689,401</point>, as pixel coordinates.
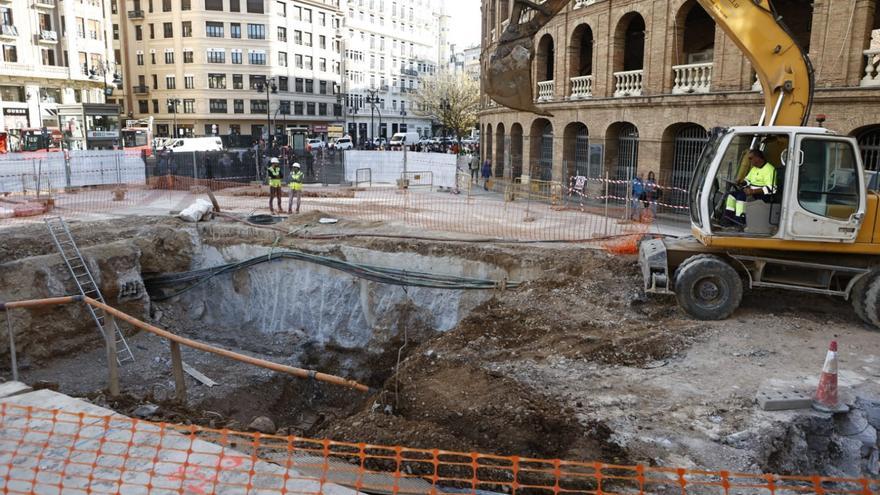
<point>389,45</point>
<point>232,67</point>
<point>56,53</point>
<point>634,86</point>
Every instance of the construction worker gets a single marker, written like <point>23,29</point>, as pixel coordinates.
<point>275,178</point>
<point>760,183</point>
<point>296,187</point>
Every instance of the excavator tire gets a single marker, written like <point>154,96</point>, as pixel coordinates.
<point>872,302</point>
<point>707,287</point>
<point>859,294</point>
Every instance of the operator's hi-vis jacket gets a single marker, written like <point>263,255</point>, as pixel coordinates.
<point>296,180</point>
<point>763,178</point>
<point>275,176</point>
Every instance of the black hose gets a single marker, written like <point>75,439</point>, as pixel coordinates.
<point>392,276</point>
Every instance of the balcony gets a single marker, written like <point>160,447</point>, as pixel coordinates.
<point>579,4</point>
<point>545,90</point>
<point>581,87</point>
<point>692,78</point>
<point>140,90</point>
<point>45,4</point>
<point>872,68</point>
<point>136,14</point>
<point>47,36</point>
<point>628,83</point>
<point>7,31</point>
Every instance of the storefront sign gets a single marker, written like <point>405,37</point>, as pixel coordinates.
<point>103,134</point>
<point>320,129</point>
<point>18,112</point>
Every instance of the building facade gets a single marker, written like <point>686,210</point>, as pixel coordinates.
<point>232,67</point>
<point>389,45</point>
<point>52,52</point>
<point>634,86</point>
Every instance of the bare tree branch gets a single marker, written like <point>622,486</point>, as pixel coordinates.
<point>449,98</point>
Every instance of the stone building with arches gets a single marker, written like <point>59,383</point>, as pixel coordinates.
<point>634,86</point>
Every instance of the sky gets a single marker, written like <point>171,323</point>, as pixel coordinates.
<point>465,22</point>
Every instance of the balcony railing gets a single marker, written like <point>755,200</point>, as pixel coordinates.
<point>583,3</point>
<point>692,78</point>
<point>582,87</point>
<point>872,68</point>
<point>8,31</point>
<point>545,90</point>
<point>135,14</point>
<point>48,36</point>
<point>628,83</point>
<point>140,90</point>
<point>46,4</point>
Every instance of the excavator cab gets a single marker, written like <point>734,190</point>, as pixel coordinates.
<point>819,194</point>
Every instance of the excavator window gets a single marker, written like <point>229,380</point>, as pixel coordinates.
<point>761,215</point>
<point>828,184</point>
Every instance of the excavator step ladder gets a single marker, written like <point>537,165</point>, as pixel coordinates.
<point>86,284</point>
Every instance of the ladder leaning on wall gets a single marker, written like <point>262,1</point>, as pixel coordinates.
<point>79,270</point>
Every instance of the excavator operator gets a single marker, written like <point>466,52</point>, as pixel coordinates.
<point>759,184</point>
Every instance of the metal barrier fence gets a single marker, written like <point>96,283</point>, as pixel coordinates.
<point>56,451</point>
<point>419,179</point>
<point>363,176</point>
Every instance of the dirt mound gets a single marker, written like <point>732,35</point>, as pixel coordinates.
<point>452,392</point>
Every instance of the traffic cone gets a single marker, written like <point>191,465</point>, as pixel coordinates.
<point>826,394</point>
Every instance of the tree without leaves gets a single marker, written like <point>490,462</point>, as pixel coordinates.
<point>451,99</point>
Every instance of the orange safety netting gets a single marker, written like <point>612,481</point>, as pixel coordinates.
<point>45,451</point>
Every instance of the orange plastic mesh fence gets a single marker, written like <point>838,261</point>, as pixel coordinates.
<point>44,451</point>
<point>485,214</point>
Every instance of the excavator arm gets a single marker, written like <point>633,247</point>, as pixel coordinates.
<point>782,67</point>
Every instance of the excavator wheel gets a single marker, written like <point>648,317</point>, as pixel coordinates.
<point>871,306</point>
<point>858,296</point>
<point>707,287</point>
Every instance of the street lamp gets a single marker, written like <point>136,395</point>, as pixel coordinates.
<point>373,100</point>
<point>270,88</point>
<point>172,105</point>
<point>403,121</point>
<point>103,69</point>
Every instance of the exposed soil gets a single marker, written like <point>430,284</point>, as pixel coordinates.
<point>576,363</point>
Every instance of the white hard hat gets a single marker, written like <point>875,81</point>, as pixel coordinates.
<point>274,160</point>
<point>295,165</point>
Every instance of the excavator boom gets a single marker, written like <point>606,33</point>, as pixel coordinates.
<point>782,67</point>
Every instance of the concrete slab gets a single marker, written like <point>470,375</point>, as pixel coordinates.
<point>8,389</point>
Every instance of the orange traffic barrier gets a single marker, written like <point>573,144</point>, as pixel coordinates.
<point>55,451</point>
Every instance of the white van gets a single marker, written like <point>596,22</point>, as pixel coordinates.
<point>183,145</point>
<point>404,138</point>
<point>343,143</point>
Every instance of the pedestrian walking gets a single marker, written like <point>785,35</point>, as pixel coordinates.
<point>273,172</point>
<point>487,172</point>
<point>296,186</point>
<point>638,196</point>
<point>652,194</point>
<point>473,166</point>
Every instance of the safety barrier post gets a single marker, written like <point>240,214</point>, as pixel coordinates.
<point>112,363</point>
<point>13,361</point>
<point>606,204</point>
<point>177,370</point>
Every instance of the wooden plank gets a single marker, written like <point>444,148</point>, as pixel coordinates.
<point>198,375</point>
<point>8,389</point>
<point>177,370</point>
<point>112,358</point>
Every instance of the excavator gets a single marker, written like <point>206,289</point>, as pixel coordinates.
<point>817,231</point>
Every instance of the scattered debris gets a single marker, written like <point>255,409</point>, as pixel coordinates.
<point>262,424</point>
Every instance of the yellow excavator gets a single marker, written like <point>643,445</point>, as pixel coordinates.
<point>817,231</point>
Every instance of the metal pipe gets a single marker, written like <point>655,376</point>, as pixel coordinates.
<point>776,108</point>
<point>298,372</point>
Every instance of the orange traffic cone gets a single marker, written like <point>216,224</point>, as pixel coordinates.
<point>826,394</point>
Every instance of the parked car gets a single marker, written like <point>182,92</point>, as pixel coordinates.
<point>315,144</point>
<point>380,141</point>
<point>343,143</point>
